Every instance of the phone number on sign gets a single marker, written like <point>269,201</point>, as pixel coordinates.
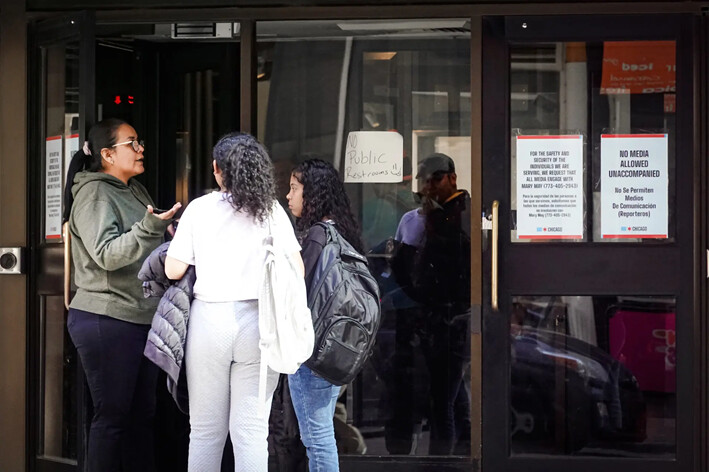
<point>560,185</point>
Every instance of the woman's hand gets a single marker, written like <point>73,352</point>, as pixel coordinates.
<point>166,215</point>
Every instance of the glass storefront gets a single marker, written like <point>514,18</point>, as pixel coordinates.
<point>581,145</point>
<point>344,91</point>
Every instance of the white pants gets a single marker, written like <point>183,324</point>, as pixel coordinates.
<point>223,360</point>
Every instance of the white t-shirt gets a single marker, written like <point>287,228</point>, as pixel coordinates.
<point>226,247</point>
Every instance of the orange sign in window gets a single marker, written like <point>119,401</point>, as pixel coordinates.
<point>638,67</point>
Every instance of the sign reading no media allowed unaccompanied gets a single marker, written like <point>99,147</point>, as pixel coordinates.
<point>634,186</point>
<point>550,187</point>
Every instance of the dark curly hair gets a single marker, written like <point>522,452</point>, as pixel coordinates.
<point>247,172</point>
<point>324,197</point>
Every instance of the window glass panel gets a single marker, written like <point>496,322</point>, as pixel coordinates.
<point>319,81</point>
<point>619,97</point>
<point>61,140</point>
<point>593,376</point>
<point>57,432</point>
<point>58,435</point>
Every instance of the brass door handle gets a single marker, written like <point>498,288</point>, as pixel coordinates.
<point>67,264</point>
<point>495,254</point>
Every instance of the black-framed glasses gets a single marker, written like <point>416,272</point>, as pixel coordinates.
<point>134,143</point>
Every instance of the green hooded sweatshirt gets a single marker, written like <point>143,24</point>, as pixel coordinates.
<point>112,234</point>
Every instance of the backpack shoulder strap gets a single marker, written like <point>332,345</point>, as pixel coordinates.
<point>330,230</point>
<point>344,246</point>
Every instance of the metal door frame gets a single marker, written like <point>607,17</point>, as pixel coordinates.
<point>55,30</point>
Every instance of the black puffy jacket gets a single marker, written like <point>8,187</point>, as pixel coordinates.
<point>168,330</point>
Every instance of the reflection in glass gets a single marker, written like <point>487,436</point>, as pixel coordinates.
<point>59,439</point>
<point>57,432</point>
<point>596,88</point>
<point>593,376</point>
<point>325,80</point>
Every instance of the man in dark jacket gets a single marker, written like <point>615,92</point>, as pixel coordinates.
<point>436,274</point>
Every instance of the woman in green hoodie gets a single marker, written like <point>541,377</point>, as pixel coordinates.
<point>114,226</point>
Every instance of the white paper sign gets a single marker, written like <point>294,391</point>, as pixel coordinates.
<point>374,156</point>
<point>550,187</point>
<point>53,188</point>
<point>634,186</point>
<point>71,145</point>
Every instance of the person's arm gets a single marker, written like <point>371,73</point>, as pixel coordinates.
<point>180,254</point>
<point>175,269</point>
<point>312,247</point>
<point>97,225</point>
<point>299,263</point>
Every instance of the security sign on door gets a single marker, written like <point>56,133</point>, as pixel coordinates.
<point>634,186</point>
<point>550,187</point>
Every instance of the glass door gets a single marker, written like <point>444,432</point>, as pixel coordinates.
<point>588,164</point>
<point>384,101</point>
<point>61,71</point>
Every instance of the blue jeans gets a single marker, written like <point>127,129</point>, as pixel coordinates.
<point>314,404</point>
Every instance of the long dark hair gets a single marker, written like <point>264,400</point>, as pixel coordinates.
<point>101,135</point>
<point>324,197</point>
<point>247,173</point>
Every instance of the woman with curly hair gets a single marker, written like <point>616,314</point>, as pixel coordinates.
<point>317,194</point>
<point>222,235</point>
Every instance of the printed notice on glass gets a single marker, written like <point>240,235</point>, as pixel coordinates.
<point>374,156</point>
<point>550,187</point>
<point>53,188</point>
<point>71,145</point>
<point>634,186</point>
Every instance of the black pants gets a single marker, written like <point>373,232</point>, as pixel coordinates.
<point>284,434</point>
<point>122,383</point>
<point>446,346</point>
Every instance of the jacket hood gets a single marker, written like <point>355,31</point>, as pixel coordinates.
<point>81,179</point>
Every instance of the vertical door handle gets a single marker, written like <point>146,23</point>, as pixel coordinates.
<point>495,254</point>
<point>67,263</point>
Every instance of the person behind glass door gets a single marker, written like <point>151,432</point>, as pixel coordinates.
<point>433,267</point>
<point>114,227</point>
<point>222,235</point>
<point>317,194</point>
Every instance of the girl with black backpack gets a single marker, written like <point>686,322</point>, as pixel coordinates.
<point>318,195</point>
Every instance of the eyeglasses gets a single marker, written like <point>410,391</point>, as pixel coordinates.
<point>134,143</point>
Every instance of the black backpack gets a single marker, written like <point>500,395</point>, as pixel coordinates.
<point>344,302</point>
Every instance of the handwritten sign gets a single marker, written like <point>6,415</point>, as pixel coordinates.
<point>374,156</point>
